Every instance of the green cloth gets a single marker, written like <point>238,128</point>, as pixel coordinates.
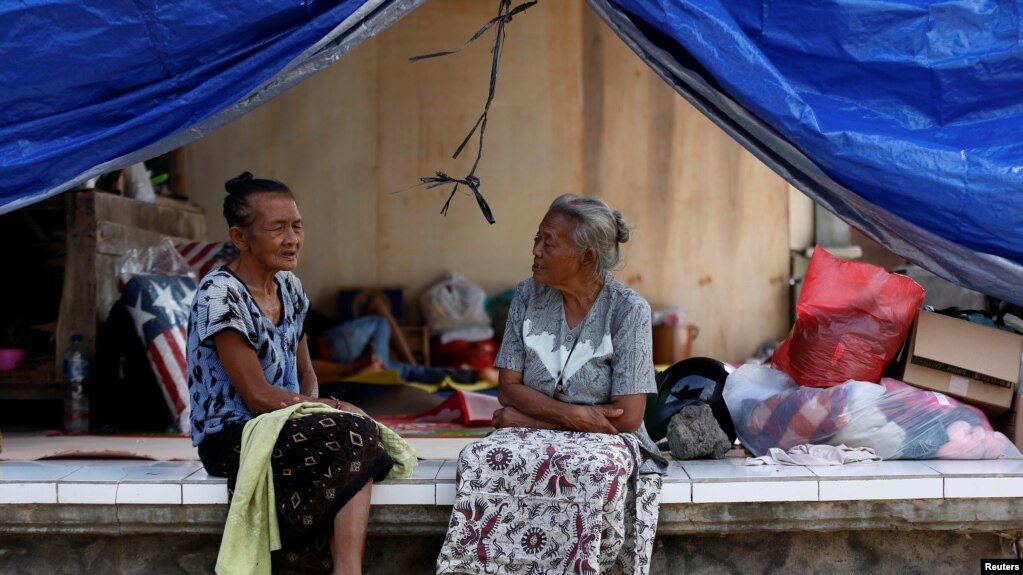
<point>251,531</point>
<point>403,455</point>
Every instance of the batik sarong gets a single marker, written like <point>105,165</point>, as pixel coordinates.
<point>543,502</point>
<point>319,462</point>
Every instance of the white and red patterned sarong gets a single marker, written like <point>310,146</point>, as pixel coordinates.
<point>536,502</point>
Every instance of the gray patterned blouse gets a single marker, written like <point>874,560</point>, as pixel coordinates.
<point>608,354</point>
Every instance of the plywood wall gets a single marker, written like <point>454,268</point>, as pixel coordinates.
<point>576,112</point>
<point>711,220</point>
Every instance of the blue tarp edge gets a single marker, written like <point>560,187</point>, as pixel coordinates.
<point>989,274</point>
<point>364,23</point>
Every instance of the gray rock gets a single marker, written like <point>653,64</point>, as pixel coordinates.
<point>694,433</point>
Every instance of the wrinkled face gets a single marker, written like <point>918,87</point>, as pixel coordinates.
<point>275,236</point>
<point>557,262</point>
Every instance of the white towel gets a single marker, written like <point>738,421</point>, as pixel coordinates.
<point>808,454</point>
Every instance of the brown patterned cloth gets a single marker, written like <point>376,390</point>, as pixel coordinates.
<point>538,502</point>
<point>319,463</point>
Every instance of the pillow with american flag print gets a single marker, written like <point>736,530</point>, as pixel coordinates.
<point>159,308</point>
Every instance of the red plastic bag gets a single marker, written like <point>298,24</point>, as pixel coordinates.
<point>852,318</point>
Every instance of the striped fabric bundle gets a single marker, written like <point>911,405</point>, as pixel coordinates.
<point>159,306</point>
<point>804,415</point>
<point>771,411</point>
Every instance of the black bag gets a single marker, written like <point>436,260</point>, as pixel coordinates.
<point>691,381</point>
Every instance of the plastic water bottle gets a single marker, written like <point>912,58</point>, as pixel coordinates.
<point>76,401</point>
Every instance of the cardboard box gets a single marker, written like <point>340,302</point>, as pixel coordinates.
<point>975,363</point>
<point>1011,423</point>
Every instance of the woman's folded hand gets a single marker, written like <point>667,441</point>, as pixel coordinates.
<point>585,418</point>
<point>511,417</point>
<point>598,418</point>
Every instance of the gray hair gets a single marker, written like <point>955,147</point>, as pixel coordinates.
<point>600,227</point>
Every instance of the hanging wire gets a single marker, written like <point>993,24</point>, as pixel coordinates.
<point>505,12</point>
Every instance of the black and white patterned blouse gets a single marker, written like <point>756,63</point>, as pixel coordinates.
<point>223,302</point>
<point>608,354</point>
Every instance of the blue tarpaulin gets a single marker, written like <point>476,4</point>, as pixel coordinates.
<point>905,118</point>
<point>93,86</point>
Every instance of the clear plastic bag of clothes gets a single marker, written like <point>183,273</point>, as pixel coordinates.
<point>897,420</point>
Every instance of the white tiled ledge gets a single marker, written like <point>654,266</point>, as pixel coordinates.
<point>116,482</point>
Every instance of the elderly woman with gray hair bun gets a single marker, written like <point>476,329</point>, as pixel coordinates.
<point>569,480</point>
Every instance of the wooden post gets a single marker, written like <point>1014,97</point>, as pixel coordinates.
<point>78,297</point>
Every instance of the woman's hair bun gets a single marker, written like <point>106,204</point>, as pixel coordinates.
<point>236,185</point>
<point>624,231</point>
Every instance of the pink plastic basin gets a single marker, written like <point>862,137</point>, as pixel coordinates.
<point>10,357</point>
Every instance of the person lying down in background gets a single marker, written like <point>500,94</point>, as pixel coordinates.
<point>366,343</point>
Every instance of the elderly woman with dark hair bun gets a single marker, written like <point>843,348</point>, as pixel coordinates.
<point>248,355</point>
<point>568,482</point>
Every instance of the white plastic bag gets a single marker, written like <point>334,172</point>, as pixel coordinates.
<point>454,302</point>
<point>138,183</point>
